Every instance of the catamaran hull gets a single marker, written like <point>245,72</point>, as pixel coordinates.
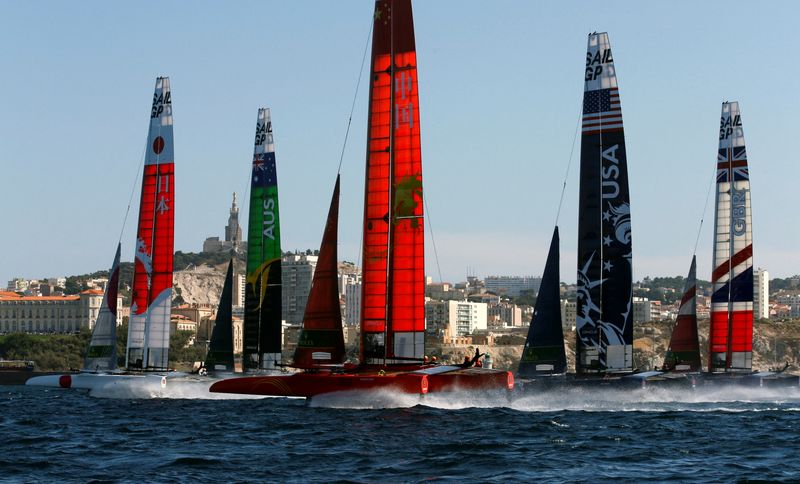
<point>471,380</point>
<point>421,382</point>
<point>135,384</point>
<point>313,384</point>
<point>660,380</point>
<point>624,382</point>
<point>764,379</point>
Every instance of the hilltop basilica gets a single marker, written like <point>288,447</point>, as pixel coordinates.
<point>233,234</point>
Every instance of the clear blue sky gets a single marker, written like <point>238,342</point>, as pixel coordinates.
<point>500,88</point>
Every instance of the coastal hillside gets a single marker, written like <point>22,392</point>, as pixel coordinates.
<point>774,344</point>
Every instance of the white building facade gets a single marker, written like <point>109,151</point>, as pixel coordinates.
<point>50,314</point>
<point>297,273</point>
<point>352,303</point>
<point>642,310</point>
<point>512,286</point>
<point>760,294</point>
<point>455,318</point>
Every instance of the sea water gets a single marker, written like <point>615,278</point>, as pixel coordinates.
<point>721,435</point>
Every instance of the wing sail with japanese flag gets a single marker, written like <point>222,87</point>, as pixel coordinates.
<point>148,330</point>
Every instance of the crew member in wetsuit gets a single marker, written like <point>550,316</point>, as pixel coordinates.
<point>470,362</point>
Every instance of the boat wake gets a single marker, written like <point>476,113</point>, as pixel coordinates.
<point>379,399</point>
<point>595,400</point>
<point>365,400</point>
<point>187,389</point>
<point>730,399</point>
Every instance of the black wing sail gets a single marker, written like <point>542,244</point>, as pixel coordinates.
<point>604,319</point>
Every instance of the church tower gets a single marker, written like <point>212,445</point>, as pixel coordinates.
<point>233,232</point>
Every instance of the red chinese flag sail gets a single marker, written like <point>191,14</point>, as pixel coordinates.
<point>393,275</point>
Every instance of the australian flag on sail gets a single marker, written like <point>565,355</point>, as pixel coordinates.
<point>264,172</point>
<point>732,160</point>
<point>601,109</point>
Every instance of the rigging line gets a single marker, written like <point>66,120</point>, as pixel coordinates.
<point>350,121</point>
<point>705,208</point>
<point>355,96</point>
<point>569,162</point>
<point>433,240</point>
<point>133,189</point>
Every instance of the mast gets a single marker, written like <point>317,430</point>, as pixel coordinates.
<point>544,348</point>
<point>321,340</point>
<point>262,317</point>
<point>683,352</point>
<point>102,352</point>
<point>148,326</point>
<point>731,330</point>
<point>605,289</point>
<point>220,348</point>
<point>393,275</point>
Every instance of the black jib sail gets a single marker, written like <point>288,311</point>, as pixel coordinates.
<point>544,349</point>
<point>220,349</point>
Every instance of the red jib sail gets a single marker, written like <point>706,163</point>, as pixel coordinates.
<point>683,353</point>
<point>393,275</point>
<point>321,340</point>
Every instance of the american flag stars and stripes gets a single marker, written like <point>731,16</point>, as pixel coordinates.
<point>601,109</point>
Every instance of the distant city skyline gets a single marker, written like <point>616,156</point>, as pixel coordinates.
<point>500,91</point>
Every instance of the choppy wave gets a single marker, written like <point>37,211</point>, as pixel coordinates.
<point>728,434</point>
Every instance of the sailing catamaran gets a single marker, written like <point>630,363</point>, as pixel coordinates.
<point>604,316</point>
<point>393,300</point>
<point>731,330</point>
<point>146,356</point>
<point>101,355</point>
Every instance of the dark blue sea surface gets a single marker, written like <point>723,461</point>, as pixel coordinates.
<point>58,435</point>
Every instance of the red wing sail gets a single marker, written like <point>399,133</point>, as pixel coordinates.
<point>393,312</point>
<point>321,340</point>
<point>148,330</point>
